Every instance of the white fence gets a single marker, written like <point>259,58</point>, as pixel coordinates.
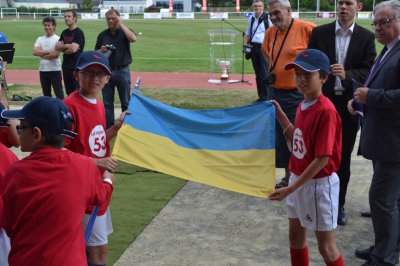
<point>8,13</point>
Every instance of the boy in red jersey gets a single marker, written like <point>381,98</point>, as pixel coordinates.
<point>46,193</point>
<point>93,72</point>
<point>315,137</point>
<point>8,158</point>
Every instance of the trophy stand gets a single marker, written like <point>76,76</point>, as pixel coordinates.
<point>222,56</point>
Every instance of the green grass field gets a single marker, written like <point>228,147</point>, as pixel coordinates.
<point>165,45</point>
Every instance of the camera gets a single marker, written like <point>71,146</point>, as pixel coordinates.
<point>110,49</point>
<point>269,79</point>
<point>247,50</point>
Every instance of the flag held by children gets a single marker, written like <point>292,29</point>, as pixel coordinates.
<point>232,149</point>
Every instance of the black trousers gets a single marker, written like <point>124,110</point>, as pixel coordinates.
<point>260,66</point>
<point>70,83</point>
<point>349,135</point>
<point>51,78</point>
<point>384,200</point>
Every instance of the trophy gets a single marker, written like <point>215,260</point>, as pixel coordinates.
<point>224,66</point>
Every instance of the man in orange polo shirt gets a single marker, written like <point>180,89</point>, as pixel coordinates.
<point>283,41</point>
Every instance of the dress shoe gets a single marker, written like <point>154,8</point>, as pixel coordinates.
<point>342,217</point>
<point>366,213</point>
<point>369,263</point>
<point>364,254</point>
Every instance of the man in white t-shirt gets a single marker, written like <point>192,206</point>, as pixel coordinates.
<point>50,62</point>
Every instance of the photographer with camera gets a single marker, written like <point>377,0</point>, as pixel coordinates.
<point>283,41</point>
<point>257,25</point>
<point>115,43</point>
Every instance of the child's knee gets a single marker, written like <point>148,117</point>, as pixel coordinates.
<point>328,252</point>
<point>98,254</point>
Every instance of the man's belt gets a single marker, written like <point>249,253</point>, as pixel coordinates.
<point>256,45</point>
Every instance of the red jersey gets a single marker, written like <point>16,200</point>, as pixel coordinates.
<point>45,197</point>
<point>8,158</point>
<point>90,124</point>
<point>317,133</point>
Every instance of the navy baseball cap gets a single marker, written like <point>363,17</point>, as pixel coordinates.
<point>311,60</point>
<point>3,121</point>
<point>49,114</point>
<point>93,58</point>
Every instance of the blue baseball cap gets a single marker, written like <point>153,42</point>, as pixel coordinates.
<point>311,60</point>
<point>3,121</point>
<point>93,58</point>
<point>49,114</point>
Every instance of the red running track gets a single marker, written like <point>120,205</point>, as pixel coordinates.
<point>165,80</point>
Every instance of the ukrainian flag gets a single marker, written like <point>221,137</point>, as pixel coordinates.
<point>232,149</point>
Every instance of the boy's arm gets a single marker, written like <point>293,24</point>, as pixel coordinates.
<point>312,169</point>
<point>287,126</point>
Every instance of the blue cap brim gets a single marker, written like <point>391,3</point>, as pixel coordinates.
<point>12,114</point>
<point>94,63</point>
<point>305,66</point>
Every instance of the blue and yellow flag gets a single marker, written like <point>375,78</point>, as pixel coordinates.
<point>232,149</point>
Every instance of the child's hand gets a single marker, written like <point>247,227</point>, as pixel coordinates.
<point>108,163</point>
<point>121,119</point>
<point>280,194</point>
<point>278,110</point>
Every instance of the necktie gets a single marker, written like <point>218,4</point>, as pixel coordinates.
<point>376,64</point>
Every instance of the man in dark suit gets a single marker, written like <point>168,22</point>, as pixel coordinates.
<point>380,136</point>
<point>351,51</point>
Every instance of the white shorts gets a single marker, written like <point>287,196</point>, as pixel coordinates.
<point>102,228</point>
<point>315,203</point>
<point>4,247</point>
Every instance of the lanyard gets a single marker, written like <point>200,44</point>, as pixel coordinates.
<point>252,22</point>
<point>280,49</point>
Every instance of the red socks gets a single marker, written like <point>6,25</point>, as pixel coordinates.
<point>299,257</point>
<point>338,262</point>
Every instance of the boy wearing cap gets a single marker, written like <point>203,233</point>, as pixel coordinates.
<point>46,193</point>
<point>315,137</point>
<point>8,158</point>
<point>93,72</point>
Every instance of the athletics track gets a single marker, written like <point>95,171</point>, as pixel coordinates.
<point>165,80</point>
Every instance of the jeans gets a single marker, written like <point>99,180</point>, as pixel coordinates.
<point>51,78</point>
<point>121,79</point>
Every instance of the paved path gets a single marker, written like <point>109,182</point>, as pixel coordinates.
<point>202,225</point>
<point>167,80</point>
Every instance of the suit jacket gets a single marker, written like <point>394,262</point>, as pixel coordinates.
<point>359,59</point>
<point>380,133</point>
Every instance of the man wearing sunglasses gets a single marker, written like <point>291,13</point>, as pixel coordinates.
<point>380,133</point>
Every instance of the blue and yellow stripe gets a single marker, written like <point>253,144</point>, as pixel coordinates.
<point>230,148</point>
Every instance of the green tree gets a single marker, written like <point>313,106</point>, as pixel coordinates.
<point>87,4</point>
